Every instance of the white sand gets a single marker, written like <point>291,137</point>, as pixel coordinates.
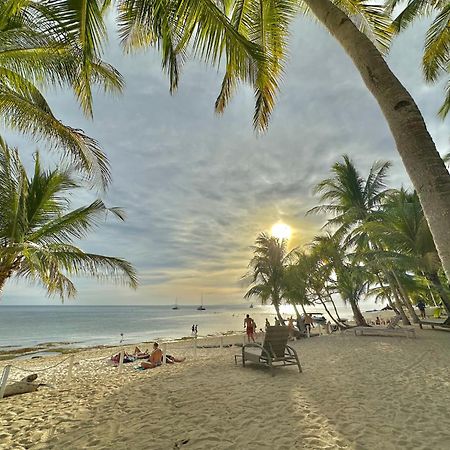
<point>354,392</point>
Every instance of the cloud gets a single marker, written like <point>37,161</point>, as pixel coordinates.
<point>198,188</point>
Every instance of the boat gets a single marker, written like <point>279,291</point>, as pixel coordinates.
<point>251,305</point>
<point>201,307</point>
<point>176,304</point>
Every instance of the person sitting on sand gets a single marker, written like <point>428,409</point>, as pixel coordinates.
<point>377,321</point>
<point>155,358</point>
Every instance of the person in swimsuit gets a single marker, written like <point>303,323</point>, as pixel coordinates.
<point>155,358</point>
<point>250,326</point>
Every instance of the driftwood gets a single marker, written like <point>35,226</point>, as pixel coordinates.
<point>22,387</point>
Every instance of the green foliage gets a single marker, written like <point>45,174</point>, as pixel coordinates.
<point>54,43</point>
<point>38,230</point>
<point>436,54</point>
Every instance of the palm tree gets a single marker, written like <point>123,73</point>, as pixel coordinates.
<point>351,278</point>
<point>403,231</point>
<point>37,229</point>
<point>351,199</point>
<point>436,53</point>
<point>267,270</point>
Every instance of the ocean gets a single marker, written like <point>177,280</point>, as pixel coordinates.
<point>86,326</point>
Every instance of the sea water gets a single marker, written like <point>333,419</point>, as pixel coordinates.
<point>85,326</point>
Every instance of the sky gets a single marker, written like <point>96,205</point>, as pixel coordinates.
<point>198,188</point>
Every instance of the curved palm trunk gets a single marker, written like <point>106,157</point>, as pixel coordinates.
<point>415,145</point>
<point>434,278</point>
<point>359,318</point>
<point>276,305</point>
<point>334,306</point>
<point>398,304</point>
<point>406,300</point>
<point>328,312</point>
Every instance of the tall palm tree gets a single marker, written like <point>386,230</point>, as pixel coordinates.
<point>38,230</point>
<point>351,199</point>
<point>351,278</point>
<point>267,270</point>
<point>49,43</point>
<point>404,232</point>
<point>436,53</point>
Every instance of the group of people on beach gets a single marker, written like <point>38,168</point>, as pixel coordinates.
<point>150,359</point>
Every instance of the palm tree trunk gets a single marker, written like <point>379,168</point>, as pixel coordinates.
<point>406,300</point>
<point>434,278</point>
<point>399,306</point>
<point>328,312</point>
<point>277,309</point>
<point>334,306</point>
<point>415,145</point>
<point>359,318</point>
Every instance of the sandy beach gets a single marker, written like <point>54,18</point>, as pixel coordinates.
<point>354,392</point>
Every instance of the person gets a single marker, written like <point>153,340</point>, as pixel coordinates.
<point>277,322</point>
<point>193,329</point>
<point>309,322</point>
<point>139,354</point>
<point>196,330</point>
<point>377,321</point>
<point>421,305</point>
<point>290,326</point>
<point>155,358</point>
<point>267,323</point>
<point>250,326</point>
<point>172,359</point>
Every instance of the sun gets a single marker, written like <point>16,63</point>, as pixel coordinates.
<point>281,231</point>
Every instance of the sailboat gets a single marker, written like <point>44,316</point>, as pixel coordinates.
<point>176,304</point>
<point>251,305</point>
<point>201,307</point>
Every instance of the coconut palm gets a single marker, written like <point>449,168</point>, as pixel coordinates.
<point>351,278</point>
<point>436,53</point>
<point>403,231</point>
<point>40,47</point>
<point>350,199</point>
<point>267,270</point>
<point>38,230</point>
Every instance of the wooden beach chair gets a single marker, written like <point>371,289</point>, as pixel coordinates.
<point>274,352</point>
<point>444,323</point>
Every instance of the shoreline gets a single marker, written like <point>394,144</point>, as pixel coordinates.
<point>341,400</point>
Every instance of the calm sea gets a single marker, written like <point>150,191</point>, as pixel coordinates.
<point>83,326</point>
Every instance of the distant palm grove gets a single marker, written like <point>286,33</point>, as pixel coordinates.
<point>377,244</point>
<point>60,43</point>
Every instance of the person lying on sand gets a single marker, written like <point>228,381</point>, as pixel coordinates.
<point>139,354</point>
<point>172,359</point>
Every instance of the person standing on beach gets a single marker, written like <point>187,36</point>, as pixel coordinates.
<point>250,326</point>
<point>421,305</point>
<point>291,328</point>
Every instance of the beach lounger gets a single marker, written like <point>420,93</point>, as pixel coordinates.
<point>274,352</point>
<point>444,323</point>
<point>378,331</point>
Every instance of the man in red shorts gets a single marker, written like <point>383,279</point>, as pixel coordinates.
<point>250,327</point>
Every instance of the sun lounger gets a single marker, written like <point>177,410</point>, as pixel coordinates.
<point>274,352</point>
<point>444,323</point>
<point>379,331</point>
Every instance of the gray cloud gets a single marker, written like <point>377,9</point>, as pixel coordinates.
<point>198,188</point>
